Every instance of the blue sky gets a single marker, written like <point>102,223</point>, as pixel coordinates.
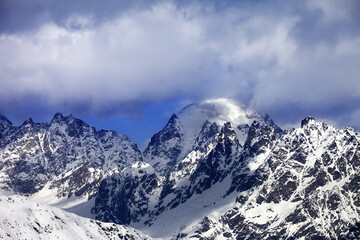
<point>127,65</point>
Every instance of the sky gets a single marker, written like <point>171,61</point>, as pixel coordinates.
<point>128,65</point>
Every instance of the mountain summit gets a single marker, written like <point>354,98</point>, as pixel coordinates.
<point>217,170</point>
<point>178,137</point>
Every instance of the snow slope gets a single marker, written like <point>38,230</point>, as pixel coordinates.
<point>185,217</point>
<point>22,218</point>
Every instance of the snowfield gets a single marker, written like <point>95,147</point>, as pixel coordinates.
<point>22,218</point>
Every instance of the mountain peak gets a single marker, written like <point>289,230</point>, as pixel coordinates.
<point>228,132</point>
<point>307,121</point>
<point>4,121</point>
<point>28,121</point>
<point>189,129</point>
<point>227,129</point>
<point>68,120</point>
<point>173,118</point>
<point>57,116</point>
<point>221,111</point>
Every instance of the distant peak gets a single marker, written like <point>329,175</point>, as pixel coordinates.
<point>219,110</point>
<point>173,118</point>
<point>4,121</point>
<point>60,118</point>
<point>227,129</point>
<point>29,121</point>
<point>307,120</point>
<point>57,117</point>
<point>227,125</point>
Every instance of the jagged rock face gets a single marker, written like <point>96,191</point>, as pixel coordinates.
<point>206,136</point>
<point>165,146</point>
<point>34,153</point>
<point>219,162</point>
<point>125,197</point>
<point>307,186</point>
<point>5,125</point>
<point>199,171</point>
<point>260,137</point>
<point>258,144</point>
<point>78,182</point>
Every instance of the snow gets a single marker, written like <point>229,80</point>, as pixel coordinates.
<point>78,205</point>
<point>81,208</point>
<point>46,195</point>
<point>22,218</point>
<point>257,161</point>
<point>61,128</point>
<point>335,184</point>
<point>138,169</point>
<point>268,212</point>
<point>57,195</point>
<point>220,111</point>
<point>186,216</point>
<point>230,111</point>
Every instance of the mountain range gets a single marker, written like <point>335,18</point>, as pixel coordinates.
<point>217,170</point>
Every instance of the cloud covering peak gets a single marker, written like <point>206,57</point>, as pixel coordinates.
<point>287,59</point>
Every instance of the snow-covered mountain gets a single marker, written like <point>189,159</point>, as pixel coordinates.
<point>303,186</point>
<point>65,157</point>
<point>22,218</point>
<point>217,170</point>
<point>302,183</point>
<point>179,136</point>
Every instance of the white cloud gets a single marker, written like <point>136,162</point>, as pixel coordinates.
<point>195,51</point>
<point>138,56</point>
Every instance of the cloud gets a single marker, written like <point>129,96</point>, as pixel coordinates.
<point>354,119</point>
<point>288,59</point>
<point>331,11</point>
<point>141,56</point>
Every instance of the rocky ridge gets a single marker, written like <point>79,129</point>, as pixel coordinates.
<point>66,154</point>
<point>218,170</point>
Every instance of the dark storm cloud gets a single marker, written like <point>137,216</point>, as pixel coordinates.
<point>289,59</point>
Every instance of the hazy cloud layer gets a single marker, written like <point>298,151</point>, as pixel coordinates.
<point>289,59</point>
